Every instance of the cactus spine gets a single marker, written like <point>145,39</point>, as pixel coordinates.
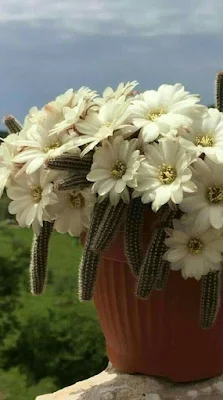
<point>39,258</point>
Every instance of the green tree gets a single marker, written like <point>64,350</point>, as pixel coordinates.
<point>11,280</point>
<point>61,345</point>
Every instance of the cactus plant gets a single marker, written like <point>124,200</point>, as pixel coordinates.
<point>39,258</point>
<point>118,179</point>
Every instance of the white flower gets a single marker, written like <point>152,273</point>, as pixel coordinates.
<point>96,127</point>
<point>205,136</point>
<point>72,213</point>
<point>80,103</point>
<point>63,100</point>
<point>31,194</point>
<point>194,252</point>
<point>8,168</point>
<point>123,89</point>
<point>70,117</point>
<point>36,116</point>
<point>170,107</point>
<point>206,206</point>
<point>164,175</point>
<point>114,169</point>
<point>40,146</point>
<point>83,93</point>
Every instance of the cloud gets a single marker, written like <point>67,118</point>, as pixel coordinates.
<point>48,47</point>
<point>118,17</point>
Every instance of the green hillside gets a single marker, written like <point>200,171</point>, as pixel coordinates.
<point>49,341</point>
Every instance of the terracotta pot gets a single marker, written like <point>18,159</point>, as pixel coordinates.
<point>160,336</point>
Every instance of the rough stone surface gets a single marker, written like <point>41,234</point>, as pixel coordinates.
<point>114,385</point>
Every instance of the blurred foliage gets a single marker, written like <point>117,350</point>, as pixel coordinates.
<point>50,341</point>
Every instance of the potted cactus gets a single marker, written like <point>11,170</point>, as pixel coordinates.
<point>138,178</point>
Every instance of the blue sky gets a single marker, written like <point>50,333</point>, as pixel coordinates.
<point>50,46</point>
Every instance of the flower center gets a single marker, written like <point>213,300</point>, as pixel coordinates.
<point>118,169</point>
<point>195,245</point>
<point>205,141</point>
<point>215,194</point>
<point>167,174</point>
<point>155,113</point>
<point>36,193</point>
<point>76,200</point>
<point>52,146</point>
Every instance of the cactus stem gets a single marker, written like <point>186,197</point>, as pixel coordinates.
<point>113,218</point>
<point>70,162</point>
<point>210,299</point>
<point>12,124</point>
<point>73,181</point>
<point>152,268</point>
<point>133,228</point>
<point>87,274</point>
<point>219,91</point>
<point>89,261</point>
<point>39,258</point>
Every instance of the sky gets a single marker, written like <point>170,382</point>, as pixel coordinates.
<point>50,46</point>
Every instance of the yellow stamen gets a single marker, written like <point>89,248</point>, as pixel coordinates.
<point>76,200</point>
<point>52,146</point>
<point>36,193</point>
<point>167,174</point>
<point>195,245</point>
<point>155,113</point>
<point>118,169</point>
<point>215,194</point>
<point>205,141</point>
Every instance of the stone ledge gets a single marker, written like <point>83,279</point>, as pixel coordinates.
<point>114,385</point>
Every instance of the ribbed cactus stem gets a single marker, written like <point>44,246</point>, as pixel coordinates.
<point>163,265</point>
<point>39,258</point>
<point>210,298</point>
<point>163,274</point>
<point>70,162</point>
<point>12,124</point>
<point>90,260</point>
<point>87,274</point>
<point>72,181</point>
<point>149,269</point>
<point>219,91</point>
<point>132,241</point>
<point>109,225</point>
<point>153,271</point>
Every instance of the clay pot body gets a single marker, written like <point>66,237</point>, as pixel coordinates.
<point>160,336</point>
